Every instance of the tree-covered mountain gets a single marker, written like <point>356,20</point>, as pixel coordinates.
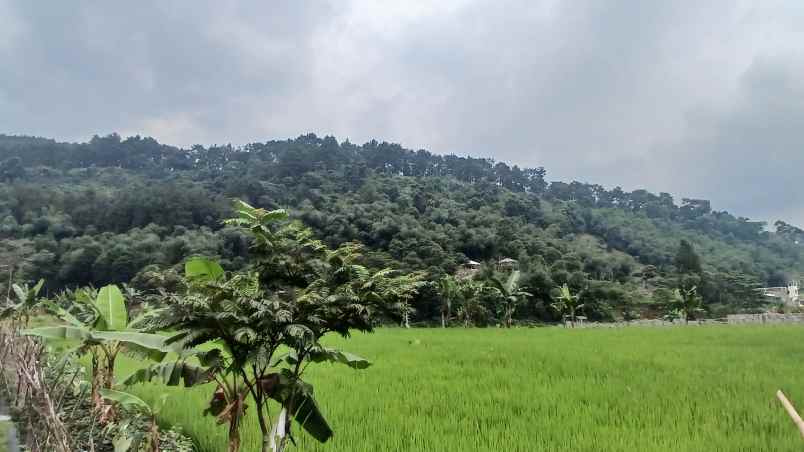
<point>116,210</point>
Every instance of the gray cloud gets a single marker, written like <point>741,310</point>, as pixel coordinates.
<point>700,99</point>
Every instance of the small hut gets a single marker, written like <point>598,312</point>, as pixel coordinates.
<point>507,264</point>
<point>474,265</point>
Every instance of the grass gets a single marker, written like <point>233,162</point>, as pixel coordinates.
<point>4,432</point>
<point>646,389</point>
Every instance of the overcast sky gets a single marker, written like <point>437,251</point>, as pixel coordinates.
<point>701,99</point>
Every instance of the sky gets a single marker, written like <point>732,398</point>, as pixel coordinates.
<point>698,99</point>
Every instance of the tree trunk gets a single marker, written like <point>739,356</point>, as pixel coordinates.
<point>153,437</point>
<point>266,434</point>
<point>107,408</point>
<point>443,320</point>
<point>95,381</point>
<point>276,440</point>
<point>234,434</point>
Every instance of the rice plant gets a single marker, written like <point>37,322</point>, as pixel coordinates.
<point>646,389</point>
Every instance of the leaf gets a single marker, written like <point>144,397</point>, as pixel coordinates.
<point>37,288</point>
<point>112,308</point>
<point>512,282</point>
<point>59,332</point>
<point>297,397</point>
<point>321,354</point>
<point>217,404</point>
<point>210,359</point>
<point>245,335</point>
<point>125,399</point>
<point>21,293</point>
<point>171,374</point>
<point>203,268</point>
<point>298,334</point>
<point>152,346</point>
<point>122,443</point>
<point>63,314</point>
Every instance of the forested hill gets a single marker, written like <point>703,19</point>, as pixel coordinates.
<point>100,212</point>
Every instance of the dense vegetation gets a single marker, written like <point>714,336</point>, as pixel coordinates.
<point>114,210</point>
<point>252,333</point>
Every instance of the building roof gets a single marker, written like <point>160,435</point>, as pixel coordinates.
<point>508,260</point>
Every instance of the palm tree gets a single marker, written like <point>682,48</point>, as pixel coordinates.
<point>567,304</point>
<point>511,295</point>
<point>450,291</point>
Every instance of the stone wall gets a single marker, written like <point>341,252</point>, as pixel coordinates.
<point>646,322</point>
<point>765,318</point>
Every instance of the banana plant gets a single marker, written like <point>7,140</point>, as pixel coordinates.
<point>104,333</point>
<point>126,440</point>
<point>27,300</point>
<point>567,304</point>
<point>470,310</point>
<point>449,291</point>
<point>510,294</point>
<point>687,303</point>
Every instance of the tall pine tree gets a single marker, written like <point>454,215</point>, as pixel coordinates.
<point>687,261</point>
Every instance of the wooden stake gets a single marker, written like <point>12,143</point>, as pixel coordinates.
<point>791,411</point>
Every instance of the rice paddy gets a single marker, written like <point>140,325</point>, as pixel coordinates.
<point>631,389</point>
<point>4,432</point>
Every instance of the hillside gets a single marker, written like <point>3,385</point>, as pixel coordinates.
<point>102,211</point>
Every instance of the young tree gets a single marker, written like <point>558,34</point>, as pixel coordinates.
<point>686,303</point>
<point>471,311</point>
<point>137,441</point>
<point>687,261</point>
<point>449,289</point>
<point>648,272</point>
<point>510,295</point>
<point>299,292</point>
<point>567,304</point>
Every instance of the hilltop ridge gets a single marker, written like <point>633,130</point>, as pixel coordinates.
<point>102,211</point>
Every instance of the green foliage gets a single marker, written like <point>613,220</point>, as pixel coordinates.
<point>125,399</point>
<point>510,295</point>
<point>171,373</point>
<point>687,260</point>
<point>321,354</point>
<point>686,303</point>
<point>449,289</point>
<point>27,301</point>
<point>112,311</point>
<point>567,304</point>
<point>102,330</point>
<point>115,210</point>
<point>201,268</point>
<point>300,290</point>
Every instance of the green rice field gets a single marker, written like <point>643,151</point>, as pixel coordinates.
<point>4,432</point>
<point>630,389</point>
